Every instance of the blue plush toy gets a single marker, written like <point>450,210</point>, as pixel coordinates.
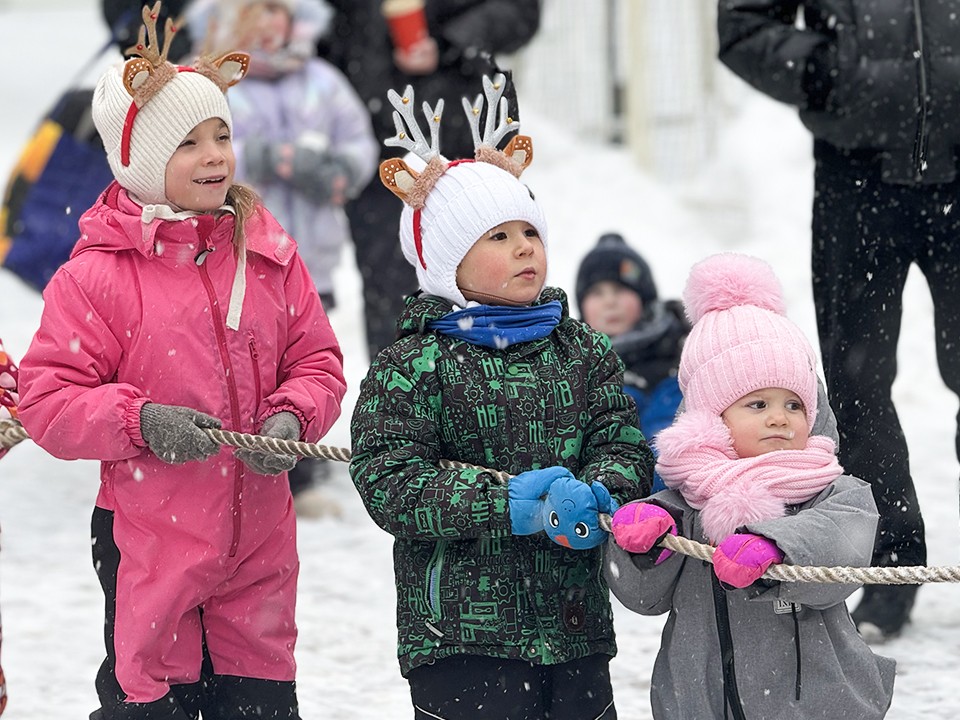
<point>571,513</point>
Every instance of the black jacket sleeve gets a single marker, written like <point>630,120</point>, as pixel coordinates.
<point>760,42</point>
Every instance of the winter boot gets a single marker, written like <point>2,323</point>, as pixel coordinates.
<point>884,610</point>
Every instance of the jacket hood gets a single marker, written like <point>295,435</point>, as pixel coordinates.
<point>421,309</point>
<point>117,223</point>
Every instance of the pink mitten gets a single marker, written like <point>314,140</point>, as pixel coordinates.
<point>741,559</point>
<point>638,527</point>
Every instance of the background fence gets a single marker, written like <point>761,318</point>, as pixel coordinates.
<point>641,72</point>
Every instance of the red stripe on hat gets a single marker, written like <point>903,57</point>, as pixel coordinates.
<point>418,238</point>
<point>128,124</point>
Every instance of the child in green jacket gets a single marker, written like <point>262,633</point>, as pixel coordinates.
<point>489,369</point>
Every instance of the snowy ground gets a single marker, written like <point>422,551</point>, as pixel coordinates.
<point>755,198</point>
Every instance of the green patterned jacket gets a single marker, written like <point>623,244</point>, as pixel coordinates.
<point>464,583</point>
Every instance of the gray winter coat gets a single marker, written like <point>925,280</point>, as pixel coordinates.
<point>787,639</point>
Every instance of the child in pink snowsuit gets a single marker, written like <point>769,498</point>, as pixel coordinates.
<point>184,306</point>
<point>8,411</point>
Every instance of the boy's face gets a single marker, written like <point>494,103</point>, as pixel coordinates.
<point>611,308</point>
<point>506,266</point>
<point>765,420</point>
<point>263,26</point>
<point>201,169</point>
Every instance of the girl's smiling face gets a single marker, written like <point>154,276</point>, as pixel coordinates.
<point>200,171</point>
<point>766,420</point>
<point>507,266</point>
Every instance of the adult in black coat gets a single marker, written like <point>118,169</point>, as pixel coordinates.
<point>465,37</point>
<point>876,84</point>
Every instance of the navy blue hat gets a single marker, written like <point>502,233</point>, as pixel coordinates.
<point>612,259</point>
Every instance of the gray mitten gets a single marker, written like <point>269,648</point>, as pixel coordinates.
<point>283,425</point>
<point>175,434</point>
<point>316,170</point>
<point>258,160</point>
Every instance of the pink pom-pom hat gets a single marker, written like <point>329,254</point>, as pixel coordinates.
<point>741,340</point>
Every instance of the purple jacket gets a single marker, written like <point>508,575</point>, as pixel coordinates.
<point>317,102</point>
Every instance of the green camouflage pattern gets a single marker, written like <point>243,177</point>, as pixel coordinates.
<point>465,585</point>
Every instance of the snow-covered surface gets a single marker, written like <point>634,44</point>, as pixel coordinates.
<point>753,198</point>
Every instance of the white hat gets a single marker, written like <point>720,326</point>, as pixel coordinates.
<point>467,200</point>
<point>158,127</point>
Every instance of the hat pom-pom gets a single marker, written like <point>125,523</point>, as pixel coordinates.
<point>727,280</point>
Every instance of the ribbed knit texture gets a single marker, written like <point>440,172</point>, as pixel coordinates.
<point>696,458</point>
<point>468,200</point>
<point>738,345</point>
<point>160,126</point>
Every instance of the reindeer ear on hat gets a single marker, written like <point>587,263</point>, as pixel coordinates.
<point>232,68</point>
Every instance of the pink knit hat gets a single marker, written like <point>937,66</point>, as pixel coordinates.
<point>741,340</point>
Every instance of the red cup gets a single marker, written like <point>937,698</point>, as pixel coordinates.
<point>407,22</point>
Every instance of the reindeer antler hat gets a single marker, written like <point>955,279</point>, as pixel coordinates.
<point>145,107</point>
<point>450,205</point>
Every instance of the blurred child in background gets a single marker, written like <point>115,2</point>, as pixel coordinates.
<point>616,294</point>
<point>303,140</point>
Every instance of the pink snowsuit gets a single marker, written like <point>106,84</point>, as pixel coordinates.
<point>138,315</point>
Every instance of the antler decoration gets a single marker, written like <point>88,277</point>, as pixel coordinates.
<point>413,187</point>
<point>146,73</point>
<point>410,186</point>
<point>519,151</point>
<point>492,135</point>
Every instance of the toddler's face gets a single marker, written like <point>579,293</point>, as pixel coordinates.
<point>201,169</point>
<point>611,308</point>
<point>264,26</point>
<point>507,266</point>
<point>765,420</point>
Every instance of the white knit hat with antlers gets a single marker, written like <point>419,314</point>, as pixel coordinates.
<point>469,199</point>
<point>450,205</point>
<point>144,109</point>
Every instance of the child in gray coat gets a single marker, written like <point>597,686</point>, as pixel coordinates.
<point>750,468</point>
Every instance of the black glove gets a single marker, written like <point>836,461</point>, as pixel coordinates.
<point>175,434</point>
<point>283,425</point>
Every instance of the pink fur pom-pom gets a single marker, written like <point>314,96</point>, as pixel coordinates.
<point>727,280</point>
<point>737,506</point>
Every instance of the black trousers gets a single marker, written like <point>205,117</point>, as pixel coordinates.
<point>866,235</point>
<point>214,697</point>
<point>387,276</point>
<point>473,687</point>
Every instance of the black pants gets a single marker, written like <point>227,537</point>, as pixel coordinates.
<point>472,687</point>
<point>214,697</point>
<point>866,234</point>
<point>387,276</point>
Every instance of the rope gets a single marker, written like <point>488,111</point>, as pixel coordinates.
<point>12,433</point>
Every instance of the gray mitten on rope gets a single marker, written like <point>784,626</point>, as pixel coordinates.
<point>175,434</point>
<point>283,425</point>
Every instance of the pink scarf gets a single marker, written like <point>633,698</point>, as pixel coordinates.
<point>697,459</point>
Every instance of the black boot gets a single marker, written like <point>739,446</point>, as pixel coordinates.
<point>884,611</point>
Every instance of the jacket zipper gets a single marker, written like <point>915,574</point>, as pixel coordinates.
<point>218,327</point>
<point>255,359</point>
<point>731,692</point>
<point>920,144</point>
<point>434,571</point>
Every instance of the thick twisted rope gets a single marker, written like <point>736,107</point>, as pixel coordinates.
<point>12,433</point>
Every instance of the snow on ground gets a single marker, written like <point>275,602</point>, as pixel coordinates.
<point>753,198</point>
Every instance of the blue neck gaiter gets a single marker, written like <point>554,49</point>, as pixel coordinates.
<point>499,326</point>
